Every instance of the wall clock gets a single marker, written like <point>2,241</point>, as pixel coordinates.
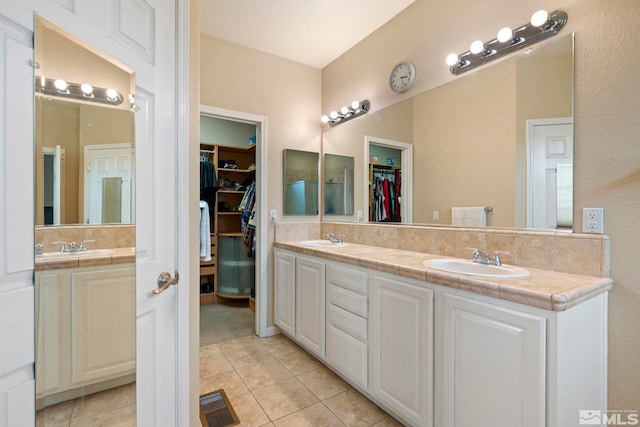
<point>402,77</point>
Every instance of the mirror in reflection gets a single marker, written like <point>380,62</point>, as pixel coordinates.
<point>473,141</point>
<point>81,140</point>
<point>338,184</point>
<point>85,274</point>
<point>300,182</point>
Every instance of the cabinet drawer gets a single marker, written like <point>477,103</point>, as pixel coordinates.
<point>355,326</point>
<point>348,278</point>
<point>348,356</point>
<point>355,303</point>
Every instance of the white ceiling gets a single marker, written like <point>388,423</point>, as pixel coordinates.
<point>312,32</point>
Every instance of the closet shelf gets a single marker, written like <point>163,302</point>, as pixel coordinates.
<point>239,234</point>
<point>228,213</point>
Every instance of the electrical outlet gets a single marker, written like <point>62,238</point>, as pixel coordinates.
<point>360,217</point>
<point>273,215</point>
<point>436,215</point>
<point>593,220</point>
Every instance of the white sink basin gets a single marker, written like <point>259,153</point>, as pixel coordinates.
<point>470,268</point>
<point>87,253</point>
<point>322,244</point>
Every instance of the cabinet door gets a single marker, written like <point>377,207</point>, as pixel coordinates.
<point>493,365</point>
<point>401,319</point>
<point>310,305</point>
<point>103,336</point>
<point>51,323</point>
<point>284,287</point>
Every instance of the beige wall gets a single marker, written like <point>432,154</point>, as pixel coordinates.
<point>607,101</point>
<point>287,93</point>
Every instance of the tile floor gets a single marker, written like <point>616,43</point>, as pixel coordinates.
<point>112,408</point>
<point>273,382</point>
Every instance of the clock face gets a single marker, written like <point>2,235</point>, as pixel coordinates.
<point>402,76</point>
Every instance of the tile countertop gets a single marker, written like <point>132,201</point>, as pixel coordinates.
<point>117,256</point>
<point>545,289</point>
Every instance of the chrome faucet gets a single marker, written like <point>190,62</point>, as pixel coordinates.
<point>335,239</point>
<point>71,247</point>
<point>479,256</point>
<point>482,258</point>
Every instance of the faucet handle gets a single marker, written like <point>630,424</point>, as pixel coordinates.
<point>479,256</point>
<point>63,248</point>
<point>83,244</point>
<point>496,257</point>
<point>38,248</point>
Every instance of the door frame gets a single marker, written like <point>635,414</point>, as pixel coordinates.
<point>406,186</point>
<point>261,327</point>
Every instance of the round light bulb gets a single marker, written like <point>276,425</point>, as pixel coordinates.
<point>112,94</point>
<point>333,114</point>
<point>86,88</point>
<point>355,105</point>
<point>505,34</point>
<point>60,84</point>
<point>324,119</point>
<point>539,18</point>
<point>452,59</point>
<point>476,47</point>
<point>344,110</point>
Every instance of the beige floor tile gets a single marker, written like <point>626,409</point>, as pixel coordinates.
<point>248,410</point>
<point>237,343</point>
<point>119,417</point>
<point>388,422</point>
<point>215,364</point>
<point>312,416</point>
<point>264,373</point>
<point>299,362</point>
<point>284,398</point>
<point>354,409</point>
<point>55,415</point>
<point>230,382</point>
<point>107,401</point>
<point>323,383</point>
<point>279,345</point>
<point>209,350</point>
<point>247,355</point>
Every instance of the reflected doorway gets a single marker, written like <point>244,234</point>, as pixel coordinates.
<point>403,155</point>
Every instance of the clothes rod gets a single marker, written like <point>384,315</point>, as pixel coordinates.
<point>207,151</point>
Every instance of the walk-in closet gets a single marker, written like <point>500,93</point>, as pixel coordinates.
<point>385,183</point>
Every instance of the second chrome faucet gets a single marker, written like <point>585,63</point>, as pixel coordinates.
<point>482,258</point>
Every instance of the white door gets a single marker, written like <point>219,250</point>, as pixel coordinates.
<point>550,176</point>
<point>104,164</point>
<point>142,35</point>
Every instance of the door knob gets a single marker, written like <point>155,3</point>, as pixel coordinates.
<point>164,281</point>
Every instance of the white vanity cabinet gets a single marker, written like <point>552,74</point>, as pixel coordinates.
<point>85,327</point>
<point>433,355</point>
<point>310,306</point>
<point>493,365</point>
<point>402,346</point>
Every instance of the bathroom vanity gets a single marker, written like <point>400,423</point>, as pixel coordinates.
<point>434,348</point>
<point>85,311</point>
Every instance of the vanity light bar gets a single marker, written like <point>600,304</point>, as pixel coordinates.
<point>542,26</point>
<point>84,91</point>
<point>347,113</point>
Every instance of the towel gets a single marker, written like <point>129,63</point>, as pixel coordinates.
<point>205,232</point>
<point>474,216</point>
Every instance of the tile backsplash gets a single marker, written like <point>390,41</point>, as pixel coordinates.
<point>105,236</point>
<point>587,254</point>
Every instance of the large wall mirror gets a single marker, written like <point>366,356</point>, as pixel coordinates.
<point>500,136</point>
<point>85,233</point>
